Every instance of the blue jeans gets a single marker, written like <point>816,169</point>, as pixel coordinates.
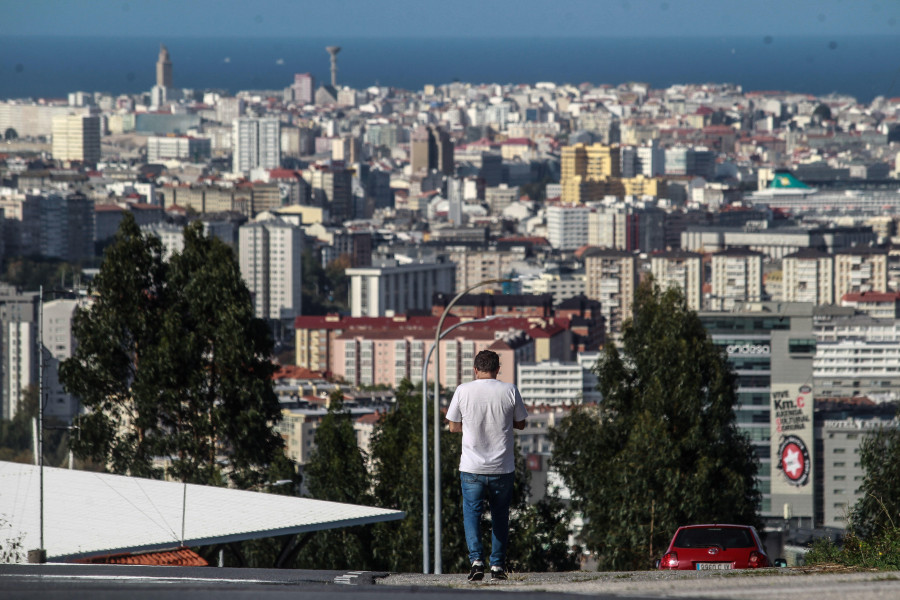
<point>497,491</point>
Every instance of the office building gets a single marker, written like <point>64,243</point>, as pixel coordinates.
<point>271,260</point>
<point>771,348</point>
<point>178,147</point>
<point>395,286</point>
<point>841,427</point>
<point>683,270</point>
<point>256,143</point>
<point>76,138</point>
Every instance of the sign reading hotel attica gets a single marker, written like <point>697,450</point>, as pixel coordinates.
<point>792,438</point>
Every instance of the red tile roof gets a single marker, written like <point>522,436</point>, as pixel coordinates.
<point>871,297</point>
<point>295,372</point>
<point>177,557</point>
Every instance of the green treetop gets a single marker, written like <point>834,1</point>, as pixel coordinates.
<point>171,364</point>
<point>663,448</point>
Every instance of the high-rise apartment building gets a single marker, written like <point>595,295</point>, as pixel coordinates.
<point>736,278</point>
<point>303,88</point>
<point>479,264</point>
<point>611,278</point>
<point>683,160</point>
<point>431,149</point>
<point>76,138</point>
<point>59,344</point>
<point>683,270</point>
<point>18,360</point>
<point>332,188</point>
<point>627,226</point>
<point>228,109</point>
<point>271,257</point>
<point>808,276</point>
<point>860,270</point>
<point>256,143</point>
<point>651,159</point>
<point>51,225</point>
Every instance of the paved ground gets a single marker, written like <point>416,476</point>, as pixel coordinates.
<point>766,584</point>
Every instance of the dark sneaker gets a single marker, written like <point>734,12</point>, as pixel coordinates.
<point>498,574</point>
<point>477,572</point>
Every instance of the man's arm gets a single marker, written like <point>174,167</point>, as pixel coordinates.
<point>456,426</point>
<point>516,424</point>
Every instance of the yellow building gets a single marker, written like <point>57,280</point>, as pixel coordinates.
<point>588,173</point>
<point>644,186</point>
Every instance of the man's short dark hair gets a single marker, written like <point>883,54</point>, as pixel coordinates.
<point>487,361</point>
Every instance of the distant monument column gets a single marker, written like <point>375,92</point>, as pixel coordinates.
<point>163,68</point>
<point>333,51</point>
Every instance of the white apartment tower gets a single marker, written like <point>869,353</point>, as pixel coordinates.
<point>736,277</point>
<point>59,343</point>
<point>567,226</point>
<point>20,364</point>
<point>683,270</point>
<point>271,252</point>
<point>652,159</point>
<point>256,143</point>
<point>76,137</point>
<point>808,276</point>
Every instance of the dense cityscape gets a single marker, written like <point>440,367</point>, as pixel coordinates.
<point>356,215</point>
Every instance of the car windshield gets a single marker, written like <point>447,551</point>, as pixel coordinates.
<point>724,537</point>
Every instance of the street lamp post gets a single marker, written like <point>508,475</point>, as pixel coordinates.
<point>437,419</point>
<point>425,438</point>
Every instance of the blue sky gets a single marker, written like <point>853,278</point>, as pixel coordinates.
<point>448,18</point>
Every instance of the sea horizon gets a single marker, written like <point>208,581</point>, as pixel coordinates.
<point>51,67</point>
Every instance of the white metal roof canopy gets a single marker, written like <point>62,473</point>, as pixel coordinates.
<point>88,513</point>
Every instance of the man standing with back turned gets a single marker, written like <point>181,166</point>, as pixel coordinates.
<point>486,411</point>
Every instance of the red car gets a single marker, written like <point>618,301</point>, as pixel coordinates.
<point>715,548</point>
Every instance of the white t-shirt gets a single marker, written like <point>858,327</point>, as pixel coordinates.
<point>487,409</point>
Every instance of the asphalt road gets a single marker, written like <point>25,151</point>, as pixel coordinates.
<point>105,582</point>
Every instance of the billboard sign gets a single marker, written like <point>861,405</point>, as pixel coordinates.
<point>792,438</point>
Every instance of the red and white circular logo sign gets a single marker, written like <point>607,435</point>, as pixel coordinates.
<point>793,460</point>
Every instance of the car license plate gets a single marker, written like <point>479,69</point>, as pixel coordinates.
<point>713,566</point>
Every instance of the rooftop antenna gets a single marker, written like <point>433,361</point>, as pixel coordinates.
<point>333,51</point>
